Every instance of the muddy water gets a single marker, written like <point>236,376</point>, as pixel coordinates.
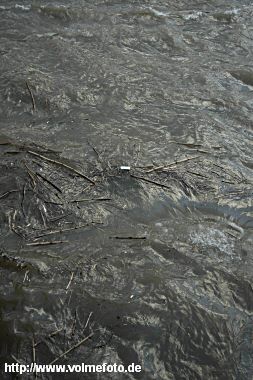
<point>157,263</point>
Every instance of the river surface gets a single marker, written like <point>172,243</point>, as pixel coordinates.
<point>155,262</point>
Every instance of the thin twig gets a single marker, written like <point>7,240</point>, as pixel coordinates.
<point>47,243</point>
<point>13,152</point>
<point>7,193</point>
<point>171,164</point>
<point>16,360</point>
<point>71,279</point>
<point>198,174</point>
<point>129,237</point>
<point>73,327</point>
<point>71,349</point>
<point>61,164</point>
<point>25,276</point>
<point>31,174</point>
<point>88,319</point>
<point>49,182</point>
<point>56,218</point>
<point>230,234</point>
<point>43,217</point>
<point>137,155</point>
<point>95,150</point>
<point>22,201</point>
<point>32,97</point>
<point>231,183</point>
<point>188,145</point>
<point>64,230</point>
<point>233,175</point>
<point>71,292</point>
<point>49,336</point>
<point>150,181</point>
<point>194,147</point>
<point>12,224</point>
<point>34,355</point>
<point>92,199</point>
<point>201,151</point>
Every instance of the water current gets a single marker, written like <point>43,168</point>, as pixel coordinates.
<point>155,261</point>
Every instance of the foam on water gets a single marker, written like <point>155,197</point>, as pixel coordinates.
<point>213,238</point>
<point>23,7</point>
<point>193,16</point>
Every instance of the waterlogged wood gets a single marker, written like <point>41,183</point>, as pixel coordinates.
<point>61,164</point>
